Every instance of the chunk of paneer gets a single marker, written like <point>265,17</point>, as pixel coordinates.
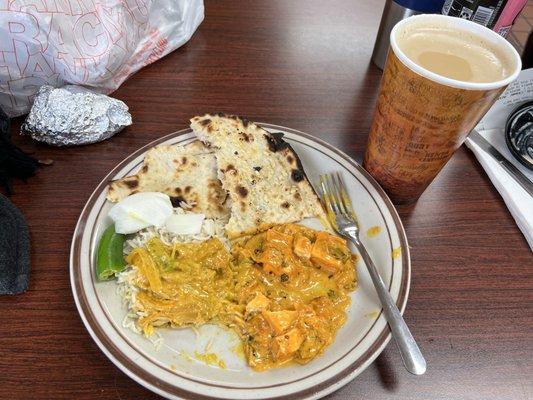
<point>302,247</point>
<point>272,260</point>
<point>280,321</point>
<point>278,239</point>
<point>328,251</point>
<point>259,303</point>
<point>284,346</point>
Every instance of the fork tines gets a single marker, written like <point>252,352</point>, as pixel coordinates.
<point>335,197</point>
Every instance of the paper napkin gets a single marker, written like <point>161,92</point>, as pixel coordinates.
<point>492,128</point>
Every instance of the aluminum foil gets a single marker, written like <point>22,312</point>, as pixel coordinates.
<point>73,115</point>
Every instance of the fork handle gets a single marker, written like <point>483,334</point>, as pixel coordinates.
<point>412,358</point>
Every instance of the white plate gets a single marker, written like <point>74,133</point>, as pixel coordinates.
<point>171,374</point>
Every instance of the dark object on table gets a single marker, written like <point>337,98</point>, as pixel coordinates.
<point>14,249</point>
<point>393,12</point>
<point>527,55</point>
<point>14,163</point>
<point>519,134</point>
<point>73,115</point>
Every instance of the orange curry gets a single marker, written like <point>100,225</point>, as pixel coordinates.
<point>295,291</point>
<point>284,291</point>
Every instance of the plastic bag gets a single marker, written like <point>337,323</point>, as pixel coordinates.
<point>94,43</point>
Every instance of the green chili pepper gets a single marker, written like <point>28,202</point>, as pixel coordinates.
<point>110,257</point>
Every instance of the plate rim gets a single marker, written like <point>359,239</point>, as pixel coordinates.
<point>331,384</point>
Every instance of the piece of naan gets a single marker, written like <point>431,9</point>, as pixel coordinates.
<point>186,173</point>
<point>261,173</point>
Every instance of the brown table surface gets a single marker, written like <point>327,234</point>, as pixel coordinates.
<point>306,65</point>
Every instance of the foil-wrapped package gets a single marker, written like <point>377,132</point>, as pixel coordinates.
<point>73,115</point>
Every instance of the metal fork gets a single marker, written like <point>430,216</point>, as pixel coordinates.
<point>342,217</point>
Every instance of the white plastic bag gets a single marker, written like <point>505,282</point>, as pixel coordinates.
<point>95,43</point>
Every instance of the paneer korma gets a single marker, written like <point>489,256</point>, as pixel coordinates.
<point>284,291</point>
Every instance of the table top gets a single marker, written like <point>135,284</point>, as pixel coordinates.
<point>304,64</point>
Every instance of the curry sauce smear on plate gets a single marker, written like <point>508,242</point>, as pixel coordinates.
<point>284,291</point>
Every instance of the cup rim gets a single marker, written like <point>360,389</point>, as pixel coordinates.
<point>481,30</point>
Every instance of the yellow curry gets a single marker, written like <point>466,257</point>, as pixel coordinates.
<point>284,291</point>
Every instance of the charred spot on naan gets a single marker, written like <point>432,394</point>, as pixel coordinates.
<point>176,200</point>
<point>230,168</point>
<point>243,192</point>
<point>132,182</point>
<point>275,141</point>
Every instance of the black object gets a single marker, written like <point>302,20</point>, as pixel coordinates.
<point>519,134</point>
<point>527,55</point>
<point>14,163</point>
<point>483,12</point>
<point>14,249</point>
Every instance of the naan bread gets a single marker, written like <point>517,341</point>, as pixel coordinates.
<point>261,173</point>
<point>186,173</point>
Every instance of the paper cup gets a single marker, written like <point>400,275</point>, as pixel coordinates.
<point>421,117</point>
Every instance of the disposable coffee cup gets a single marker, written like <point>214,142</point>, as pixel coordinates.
<point>433,93</point>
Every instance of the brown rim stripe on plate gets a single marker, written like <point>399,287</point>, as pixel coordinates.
<point>287,383</point>
<point>141,374</point>
<point>263,387</point>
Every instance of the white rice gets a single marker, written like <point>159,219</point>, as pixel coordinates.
<point>125,280</point>
<point>210,228</point>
